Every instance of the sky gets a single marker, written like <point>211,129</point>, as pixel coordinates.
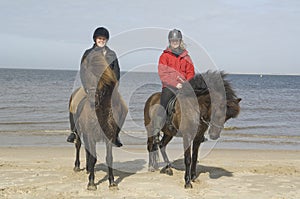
<point>237,36</point>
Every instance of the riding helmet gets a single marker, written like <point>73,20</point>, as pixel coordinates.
<point>175,35</point>
<point>101,32</point>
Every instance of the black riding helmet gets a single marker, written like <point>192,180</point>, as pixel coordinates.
<point>101,32</point>
<point>175,35</point>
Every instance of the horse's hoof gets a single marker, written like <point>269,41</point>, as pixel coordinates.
<point>113,185</point>
<point>91,187</point>
<point>193,178</point>
<point>151,169</point>
<point>76,169</point>
<point>167,170</point>
<point>188,186</point>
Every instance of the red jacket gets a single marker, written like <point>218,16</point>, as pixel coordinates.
<point>173,70</point>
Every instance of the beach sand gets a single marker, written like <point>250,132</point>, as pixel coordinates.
<point>47,172</point>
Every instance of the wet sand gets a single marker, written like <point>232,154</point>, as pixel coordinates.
<point>46,172</point>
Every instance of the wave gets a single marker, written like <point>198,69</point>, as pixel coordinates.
<point>269,142</point>
<point>230,128</point>
<point>32,122</point>
<point>261,136</point>
<point>48,132</point>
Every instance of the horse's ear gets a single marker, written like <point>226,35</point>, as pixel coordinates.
<point>238,100</point>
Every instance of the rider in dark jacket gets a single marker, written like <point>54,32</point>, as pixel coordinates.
<point>100,37</point>
<point>90,76</point>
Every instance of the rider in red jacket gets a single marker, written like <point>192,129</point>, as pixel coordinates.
<point>175,67</point>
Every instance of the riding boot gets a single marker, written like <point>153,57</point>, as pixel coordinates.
<point>117,142</point>
<point>71,138</point>
<point>157,126</point>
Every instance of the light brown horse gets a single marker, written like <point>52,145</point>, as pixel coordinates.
<point>97,117</point>
<point>205,101</point>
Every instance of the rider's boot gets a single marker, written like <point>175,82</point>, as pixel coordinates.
<point>157,126</point>
<point>71,138</point>
<point>117,142</point>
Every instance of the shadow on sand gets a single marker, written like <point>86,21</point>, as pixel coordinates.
<point>121,169</point>
<point>214,172</point>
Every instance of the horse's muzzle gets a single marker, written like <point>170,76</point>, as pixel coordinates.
<point>214,132</point>
<point>214,137</point>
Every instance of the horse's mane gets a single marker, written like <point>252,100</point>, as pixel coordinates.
<point>212,80</point>
<point>104,72</point>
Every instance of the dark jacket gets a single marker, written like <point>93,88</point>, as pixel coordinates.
<point>86,76</point>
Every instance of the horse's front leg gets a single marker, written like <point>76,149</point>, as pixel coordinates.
<point>109,162</point>
<point>196,144</point>
<point>164,142</point>
<point>91,159</point>
<point>187,162</point>
<point>77,160</point>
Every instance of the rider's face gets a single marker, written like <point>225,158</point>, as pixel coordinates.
<point>101,41</point>
<point>175,43</point>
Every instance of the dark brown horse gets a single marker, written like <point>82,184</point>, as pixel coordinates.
<point>206,101</point>
<point>97,117</point>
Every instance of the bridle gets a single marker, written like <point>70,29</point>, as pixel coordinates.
<point>211,124</point>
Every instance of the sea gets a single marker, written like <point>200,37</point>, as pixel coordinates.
<point>34,109</point>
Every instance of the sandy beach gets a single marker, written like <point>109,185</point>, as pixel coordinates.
<point>47,172</point>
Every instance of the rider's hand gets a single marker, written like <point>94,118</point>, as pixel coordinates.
<point>179,86</point>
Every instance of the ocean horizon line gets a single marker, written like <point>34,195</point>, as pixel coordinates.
<point>125,71</point>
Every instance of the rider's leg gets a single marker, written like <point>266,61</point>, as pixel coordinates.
<point>159,120</point>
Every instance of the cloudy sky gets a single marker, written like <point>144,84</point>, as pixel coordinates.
<point>239,36</point>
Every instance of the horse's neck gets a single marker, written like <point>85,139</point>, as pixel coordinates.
<point>204,102</point>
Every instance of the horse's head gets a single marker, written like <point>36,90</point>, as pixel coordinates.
<point>101,72</point>
<point>217,113</point>
<point>223,102</point>
<point>220,113</point>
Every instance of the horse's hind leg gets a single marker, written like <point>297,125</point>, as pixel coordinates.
<point>77,160</point>
<point>153,154</point>
<point>109,162</point>
<point>165,140</point>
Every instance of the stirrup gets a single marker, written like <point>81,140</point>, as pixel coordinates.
<point>156,139</point>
